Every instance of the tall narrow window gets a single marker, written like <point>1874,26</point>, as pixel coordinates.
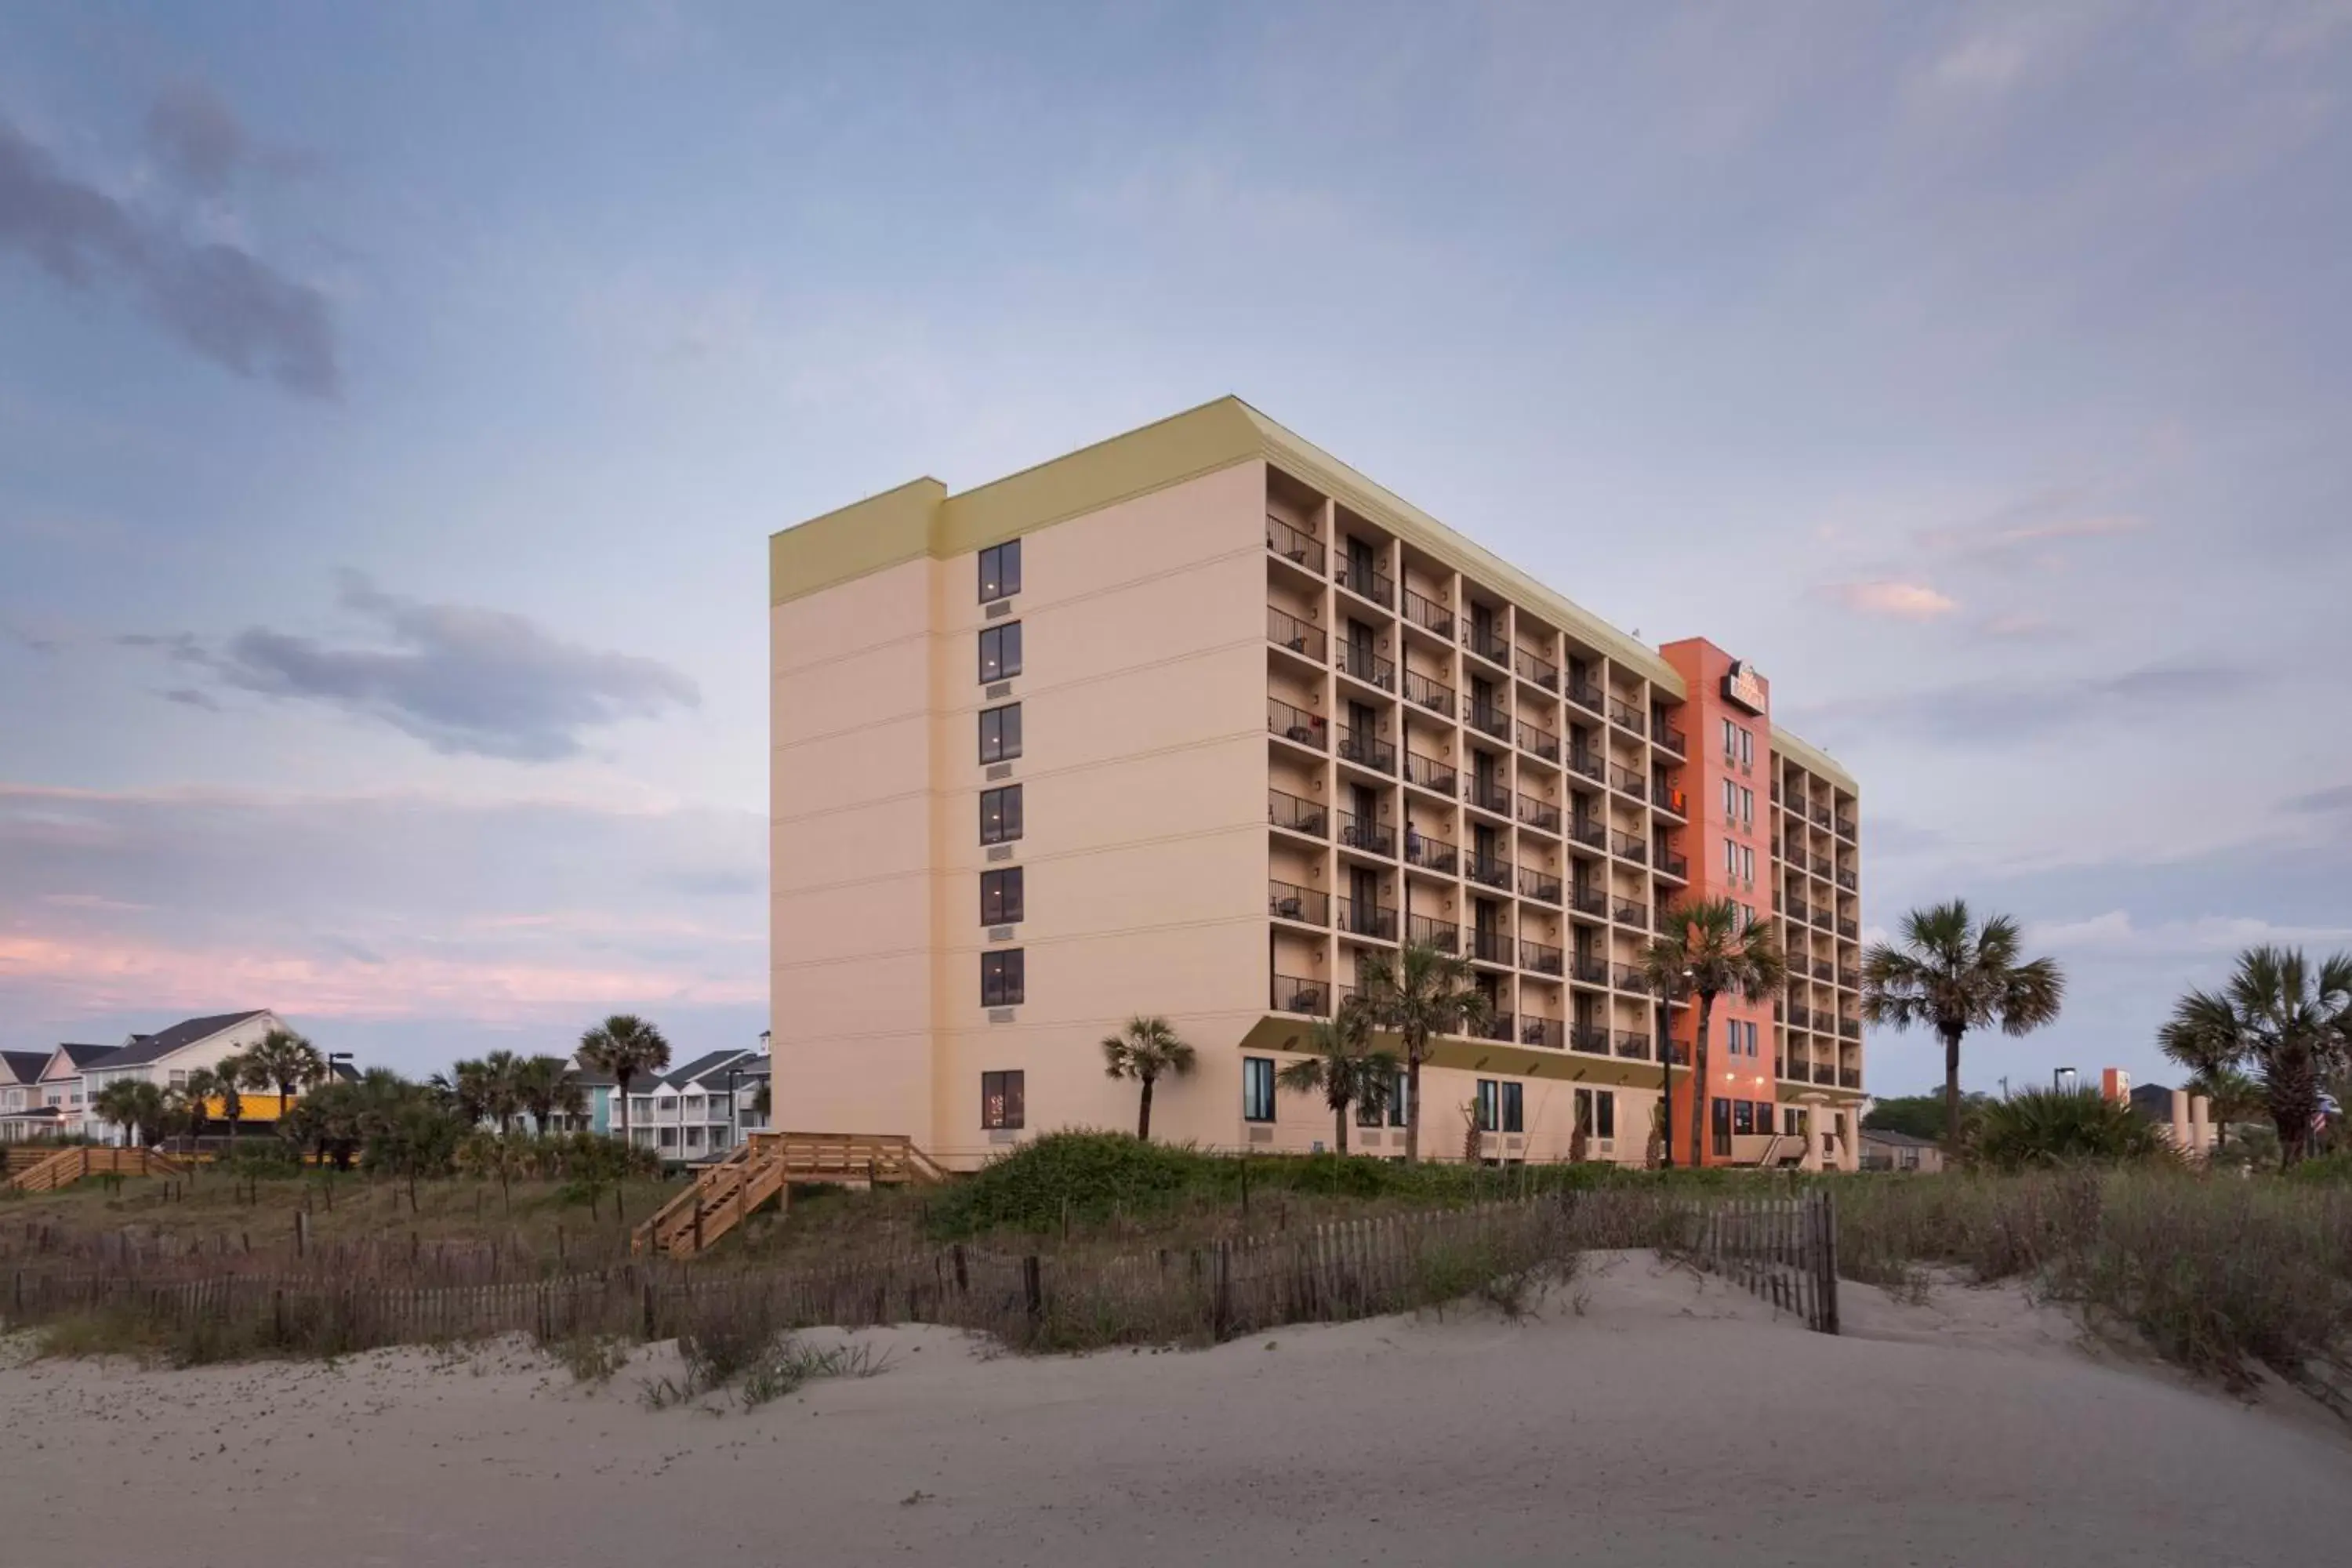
<point>1000,571</point>
<point>1003,981</point>
<point>1000,734</point>
<point>1487,1105</point>
<point>1743,1117</point>
<point>1747,748</point>
<point>1604,1108</point>
<point>1257,1088</point>
<point>1000,815</point>
<point>1730,800</point>
<point>1514,1108</point>
<point>1730,858</point>
<point>1747,807</point>
<point>1000,897</point>
<point>1000,651</point>
<point>1401,1100</point>
<point>1001,1097</point>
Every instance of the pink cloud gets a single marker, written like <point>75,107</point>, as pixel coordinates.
<point>1892,599</point>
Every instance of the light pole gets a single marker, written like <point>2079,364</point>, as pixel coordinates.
<point>734,1116</point>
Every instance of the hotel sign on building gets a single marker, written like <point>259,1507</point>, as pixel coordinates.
<point>1743,687</point>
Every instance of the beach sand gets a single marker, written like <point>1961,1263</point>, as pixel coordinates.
<point>1645,1416</point>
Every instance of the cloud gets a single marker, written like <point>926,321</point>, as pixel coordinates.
<point>2024,535</point>
<point>2017,625</point>
<point>1972,712</point>
<point>218,298</point>
<point>2116,933</point>
<point>196,137</point>
<point>2324,802</point>
<point>462,679</point>
<point>1892,599</point>
<point>189,697</point>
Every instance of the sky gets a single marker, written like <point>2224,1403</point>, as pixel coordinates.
<point>394,403</point>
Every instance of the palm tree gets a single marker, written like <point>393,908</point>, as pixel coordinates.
<point>501,1094</point>
<point>134,1105</point>
<point>1145,1050</point>
<point>1710,947</point>
<point>1341,1064</point>
<point>1420,994</point>
<point>223,1081</point>
<point>1951,975</point>
<point>2230,1095</point>
<point>545,1089</point>
<point>283,1061</point>
<point>2288,1020</point>
<point>622,1046</point>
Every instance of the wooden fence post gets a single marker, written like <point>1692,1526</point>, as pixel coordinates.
<point>1221,1262</point>
<point>1033,1286</point>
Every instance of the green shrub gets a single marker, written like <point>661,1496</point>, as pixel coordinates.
<point>2325,1170</point>
<point>2044,1128</point>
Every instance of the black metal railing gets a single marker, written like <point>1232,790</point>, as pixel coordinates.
<point>1673,865</point>
<point>1846,977</point>
<point>1423,931</point>
<point>1363,833</point>
<point>1670,739</point>
<point>1634,1045</point>
<point>1590,901</point>
<point>1819,866</point>
<point>1428,615</point>
<point>1298,815</point>
<point>1821,816</point>
<point>1541,886</point>
<point>1539,813</point>
<point>1367,750</point>
<point>1845,828</point>
<point>1431,774</point>
<point>1585,694</point>
<point>1540,958</point>
<point>1824,1072</point>
<point>1483,639</point>
<point>1796,1017</point>
<point>1359,660</point>
<point>1542,671</point>
<point>1849,1078</point>
<point>1367,582</point>
<point>1848,880</point>
<point>1625,716</point>
<point>1296,724</point>
<point>1851,1028</point>
<point>1588,831</point>
<point>1628,845</point>
<point>1286,630</point>
<point>1299,548</point>
<point>1667,798</point>
<point>1625,978</point>
<point>1494,1026</point>
<point>1625,781</point>
<point>1488,872</point>
<point>1539,741</point>
<point>1296,994</point>
<point>1849,931</point>
<point>1823,970</point>
<point>1366,920</point>
<point>1632,912</point>
<point>1488,795</point>
<point>1796,910</point>
<point>1289,901</point>
<point>1589,763</point>
<point>1490,946</point>
<point>1825,918</point>
<point>1589,968</point>
<point>1430,854</point>
<point>1490,721</point>
<point>1549,1034</point>
<point>1589,1037</point>
<point>1434,695</point>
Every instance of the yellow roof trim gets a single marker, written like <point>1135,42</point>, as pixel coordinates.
<point>1812,759</point>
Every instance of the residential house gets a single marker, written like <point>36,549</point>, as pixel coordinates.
<point>25,1111</point>
<point>1884,1150</point>
<point>166,1058</point>
<point>689,1113</point>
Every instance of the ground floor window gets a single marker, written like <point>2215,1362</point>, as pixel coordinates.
<point>1000,1099</point>
<point>1743,1118</point>
<point>1515,1108</point>
<point>1257,1088</point>
<point>669,1137</point>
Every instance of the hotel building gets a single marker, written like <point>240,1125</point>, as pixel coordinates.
<point>1198,720</point>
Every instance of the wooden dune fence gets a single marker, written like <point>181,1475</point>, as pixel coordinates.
<point>1783,1249</point>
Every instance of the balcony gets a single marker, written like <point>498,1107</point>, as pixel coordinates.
<point>1587,970</point>
<point>1848,929</point>
<point>1538,741</point>
<point>1539,671</point>
<point>1850,1029</point>
<point>1796,1017</point>
<point>1423,693</point>
<point>1670,739</point>
<point>1289,901</point>
<point>1296,724</point>
<point>1629,912</point>
<point>1849,1078</point>
<point>1367,750</point>
<point>1286,630</point>
<point>1361,833</point>
<point>1628,978</point>
<point>1550,1034</point>
<point>1367,920</point>
<point>1668,799</point>
<point>1847,978</point>
<point>1496,1026</point>
<point>1585,694</point>
<point>1490,873</point>
<point>1821,816</point>
<point>1539,813</point>
<point>1589,1037</point>
<point>1543,960</point>
<point>1298,549</point>
<point>1293,994</point>
<point>1487,794</point>
<point>1541,886</point>
<point>1588,901</point>
<point>1298,815</point>
<point>1846,829</point>
<point>1823,970</point>
<point>1673,865</point>
<point>1824,1073</point>
<point>1490,946</point>
<point>1587,763</point>
<point>1359,661</point>
<point>1430,854</point>
<point>1848,880</point>
<point>1795,1073</point>
<point>1626,782</point>
<point>1363,580</point>
<point>1629,847</point>
<point>1634,1045</point>
<point>1588,831</point>
<point>1821,867</point>
<point>1625,716</point>
<point>1490,721</point>
<point>1429,615</point>
<point>1423,931</point>
<point>1484,640</point>
<point>1429,773</point>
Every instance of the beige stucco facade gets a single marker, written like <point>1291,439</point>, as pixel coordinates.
<point>1272,721</point>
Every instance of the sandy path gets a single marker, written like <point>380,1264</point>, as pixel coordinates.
<point>1465,1441</point>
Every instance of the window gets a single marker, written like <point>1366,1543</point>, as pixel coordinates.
<point>1747,807</point>
<point>669,1137</point>
<point>694,1137</point>
<point>1604,1111</point>
<point>1257,1088</point>
<point>1743,1118</point>
<point>1003,981</point>
<point>1730,800</point>
<point>1746,749</point>
<point>1000,651</point>
<point>1001,1097</point>
<point>1790,1117</point>
<point>1746,864</point>
<point>1401,1100</point>
<point>1515,1108</point>
<point>1487,1105</point>
<point>1000,815</point>
<point>1000,571</point>
<point>1764,1116</point>
<point>1730,858</point>
<point>1000,734</point>
<point>1000,897</point>
<point>1730,741</point>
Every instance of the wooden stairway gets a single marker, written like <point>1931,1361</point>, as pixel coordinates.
<point>70,1166</point>
<point>764,1166</point>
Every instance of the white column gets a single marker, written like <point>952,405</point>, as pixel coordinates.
<point>2180,1121</point>
<point>2200,1126</point>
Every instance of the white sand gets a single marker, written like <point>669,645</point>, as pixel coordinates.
<point>1672,1421</point>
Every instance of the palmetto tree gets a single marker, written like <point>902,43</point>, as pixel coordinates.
<point>1951,975</point>
<point>1709,948</point>
<point>1341,1065</point>
<point>221,1082</point>
<point>545,1089</point>
<point>501,1092</point>
<point>624,1047</point>
<point>2288,1019</point>
<point>1420,994</point>
<point>1146,1050</point>
<point>283,1061</point>
<point>134,1105</point>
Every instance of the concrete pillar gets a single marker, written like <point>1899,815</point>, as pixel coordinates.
<point>2200,1126</point>
<point>2180,1121</point>
<point>1816,1140</point>
<point>1849,1156</point>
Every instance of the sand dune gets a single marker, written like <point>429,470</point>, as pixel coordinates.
<point>1647,1417</point>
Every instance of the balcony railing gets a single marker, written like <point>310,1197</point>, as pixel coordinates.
<point>1850,1029</point>
<point>1628,845</point>
<point>1585,694</point>
<point>1490,873</point>
<point>1367,750</point>
<point>1359,660</point>
<point>1541,886</point>
<point>1625,978</point>
<point>1847,978</point>
<point>1632,1044</point>
<point>1589,1037</point>
<point>1294,994</point>
<point>1289,901</point>
<point>1670,739</point>
<point>1673,865</point>
<point>1822,818</point>
<point>1591,971</point>
<point>1629,912</point>
<point>1824,1072</point>
<point>1542,671</point>
<point>1796,1017</point>
<point>1849,1078</point>
<point>1434,695</point>
<point>1286,630</point>
<point>1588,831</point>
<point>1588,901</point>
<point>1488,795</point>
<point>1483,639</point>
<point>1367,920</point>
<point>1845,828</point>
<point>1550,1034</point>
<point>1489,946</point>
<point>1490,721</point>
<point>1297,814</point>
<point>1539,741</point>
<point>1543,960</point>
<point>1849,931</point>
<point>1797,910</point>
<point>1824,918</point>
<point>1430,854</point>
<point>1296,724</point>
<point>1361,833</point>
<point>1367,582</point>
<point>1667,798</point>
<point>1539,813</point>
<point>1423,931</point>
<point>1847,880</point>
<point>1494,1026</point>
<point>1625,781</point>
<point>1428,615</point>
<point>1431,774</point>
<point>1589,763</point>
<point>1823,970</point>
<point>1625,716</point>
<point>1299,549</point>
